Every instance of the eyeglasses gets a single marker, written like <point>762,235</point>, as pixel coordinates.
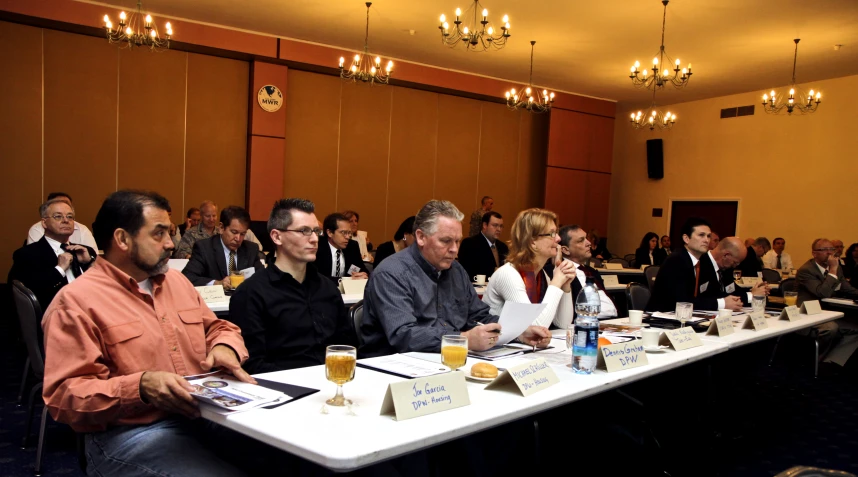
<point>346,233</point>
<point>59,217</point>
<point>829,249</point>
<point>305,231</point>
<point>549,234</point>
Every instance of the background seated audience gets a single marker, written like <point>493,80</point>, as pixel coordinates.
<point>850,261</point>
<point>81,234</point>
<point>777,258</point>
<point>486,205</point>
<point>359,236</point>
<point>484,252</point>
<point>753,262</point>
<point>648,252</point>
<point>192,219</point>
<point>402,239</point>
<point>598,246</point>
<point>337,255</point>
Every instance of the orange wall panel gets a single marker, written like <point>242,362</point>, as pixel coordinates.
<point>532,151</point>
<point>265,179</point>
<point>499,150</point>
<point>264,123</point>
<point>565,194</point>
<point>597,199</point>
<point>457,165</point>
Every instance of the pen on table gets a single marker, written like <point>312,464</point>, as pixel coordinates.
<point>478,323</point>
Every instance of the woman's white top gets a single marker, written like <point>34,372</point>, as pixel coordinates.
<point>506,284</point>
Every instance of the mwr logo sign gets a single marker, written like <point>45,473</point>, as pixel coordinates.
<point>270,99</point>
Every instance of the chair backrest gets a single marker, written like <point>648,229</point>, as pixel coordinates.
<point>595,263</point>
<point>30,318</point>
<point>619,260</point>
<point>637,296</point>
<point>629,257</point>
<point>356,314</point>
<point>771,276</point>
<point>788,285</point>
<point>650,274</point>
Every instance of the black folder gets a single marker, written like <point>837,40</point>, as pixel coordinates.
<point>296,392</point>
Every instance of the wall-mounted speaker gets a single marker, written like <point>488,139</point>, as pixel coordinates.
<point>654,159</point>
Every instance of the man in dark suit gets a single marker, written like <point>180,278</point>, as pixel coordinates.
<point>339,255</point>
<point>215,258</point>
<point>50,263</point>
<point>684,277</point>
<point>753,262</point>
<point>483,253</point>
<point>729,253</point>
<point>192,219</point>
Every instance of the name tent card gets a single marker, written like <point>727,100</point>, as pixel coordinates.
<point>423,396</point>
<point>613,266</point>
<point>756,321</point>
<point>790,313</point>
<point>681,338</point>
<point>721,326</point>
<point>212,294</point>
<point>620,356</point>
<point>529,378</point>
<point>811,307</point>
<point>611,280</point>
<point>750,281</point>
<point>353,286</point>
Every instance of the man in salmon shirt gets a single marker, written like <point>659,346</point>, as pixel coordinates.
<point>120,338</point>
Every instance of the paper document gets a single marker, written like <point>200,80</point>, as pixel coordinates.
<point>406,366</point>
<point>228,393</point>
<point>496,352</point>
<point>515,318</point>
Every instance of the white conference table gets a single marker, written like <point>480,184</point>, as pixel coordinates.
<point>223,306</point>
<point>841,302</point>
<point>621,271</point>
<point>341,442</point>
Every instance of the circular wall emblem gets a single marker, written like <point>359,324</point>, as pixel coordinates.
<point>270,98</point>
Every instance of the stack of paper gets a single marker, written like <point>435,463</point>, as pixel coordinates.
<point>228,393</point>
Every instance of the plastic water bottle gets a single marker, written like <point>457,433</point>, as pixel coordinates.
<point>586,341</point>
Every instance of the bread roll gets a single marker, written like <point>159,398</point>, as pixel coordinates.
<point>484,370</point>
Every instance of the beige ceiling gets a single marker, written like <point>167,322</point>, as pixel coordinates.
<point>582,47</point>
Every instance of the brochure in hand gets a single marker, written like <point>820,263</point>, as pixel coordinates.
<point>226,392</point>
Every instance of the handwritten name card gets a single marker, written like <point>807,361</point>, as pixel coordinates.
<point>621,356</point>
<point>212,294</point>
<point>423,396</point>
<point>611,280</point>
<point>529,378</point>
<point>681,338</point>
<point>750,281</point>
<point>811,307</point>
<point>721,326</point>
<point>756,321</point>
<point>790,313</point>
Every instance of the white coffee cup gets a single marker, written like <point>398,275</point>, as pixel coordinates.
<point>480,279</point>
<point>649,337</point>
<point>635,317</point>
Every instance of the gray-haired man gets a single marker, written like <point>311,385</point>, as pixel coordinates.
<point>415,297</point>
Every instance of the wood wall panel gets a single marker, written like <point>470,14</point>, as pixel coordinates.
<point>365,130</point>
<point>532,154</point>
<point>312,139</point>
<point>413,143</point>
<point>597,201</point>
<point>499,150</point>
<point>567,140</point>
<point>265,175</point>
<point>601,144</point>
<point>152,123</point>
<point>21,137</point>
<point>565,194</point>
<point>457,166</point>
<point>264,123</point>
<point>216,147</point>
<point>80,119</point>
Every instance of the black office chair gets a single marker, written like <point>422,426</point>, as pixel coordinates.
<point>771,276</point>
<point>356,315</point>
<point>30,318</point>
<point>650,273</point>
<point>637,296</point>
<point>619,260</point>
<point>787,285</point>
<point>595,263</point>
<point>629,257</point>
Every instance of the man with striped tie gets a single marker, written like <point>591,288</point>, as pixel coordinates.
<point>339,256</point>
<point>215,258</point>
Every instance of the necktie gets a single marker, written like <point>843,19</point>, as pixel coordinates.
<point>74,268</point>
<point>231,262</point>
<point>696,278</point>
<point>720,281</point>
<point>778,265</point>
<point>495,254</point>
<point>337,270</point>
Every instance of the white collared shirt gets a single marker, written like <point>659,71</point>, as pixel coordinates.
<point>607,308</point>
<point>824,270</point>
<point>334,260</point>
<point>722,302</point>
<point>59,251</point>
<point>770,260</point>
<point>81,235</point>
<point>226,251</point>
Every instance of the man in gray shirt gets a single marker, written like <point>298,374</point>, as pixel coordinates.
<point>415,297</point>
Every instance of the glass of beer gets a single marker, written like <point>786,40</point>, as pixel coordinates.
<point>340,363</point>
<point>737,274</point>
<point>454,351</point>
<point>236,279</point>
<point>790,298</point>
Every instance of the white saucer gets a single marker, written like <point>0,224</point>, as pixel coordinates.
<point>657,349</point>
<point>479,380</point>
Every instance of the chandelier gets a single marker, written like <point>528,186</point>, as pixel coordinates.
<point>478,35</point>
<point>540,104</point>
<point>678,79</point>
<point>363,69</point>
<point>808,102</point>
<point>653,118</point>
<point>137,30</point>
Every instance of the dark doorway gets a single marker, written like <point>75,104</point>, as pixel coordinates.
<point>720,213</point>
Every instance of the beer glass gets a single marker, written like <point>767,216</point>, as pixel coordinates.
<point>340,363</point>
<point>454,351</point>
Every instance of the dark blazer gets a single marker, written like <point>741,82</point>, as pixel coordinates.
<point>35,266</point>
<point>383,251</point>
<point>751,264</point>
<point>351,256</point>
<point>476,256</point>
<point>208,262</point>
<point>675,282</point>
<point>642,257</point>
<point>659,255</point>
<point>811,284</point>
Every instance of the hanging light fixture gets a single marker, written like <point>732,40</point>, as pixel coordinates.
<point>479,35</point>
<point>137,30</point>
<point>807,103</point>
<point>653,118</point>
<point>680,76</point>
<point>363,68</point>
<point>524,99</point>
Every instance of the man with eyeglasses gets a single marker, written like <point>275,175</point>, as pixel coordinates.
<point>483,253</point>
<point>52,262</point>
<point>81,234</point>
<point>289,313</point>
<point>338,255</point>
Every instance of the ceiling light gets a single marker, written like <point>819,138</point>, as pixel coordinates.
<point>776,103</point>
<point>364,67</point>
<point>680,76</point>
<point>479,34</point>
<point>528,97</point>
<point>137,30</point>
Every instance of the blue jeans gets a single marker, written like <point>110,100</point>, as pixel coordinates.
<point>172,447</point>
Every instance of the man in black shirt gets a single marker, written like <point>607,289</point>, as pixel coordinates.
<point>753,262</point>
<point>289,313</point>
